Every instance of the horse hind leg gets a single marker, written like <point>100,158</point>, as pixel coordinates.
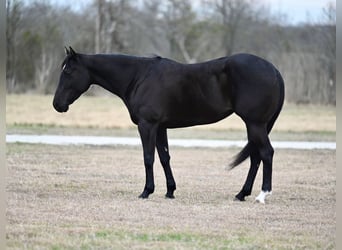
<point>257,134</point>
<point>266,153</point>
<point>164,156</point>
<point>248,186</point>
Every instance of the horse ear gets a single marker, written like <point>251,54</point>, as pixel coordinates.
<point>67,52</point>
<point>72,52</point>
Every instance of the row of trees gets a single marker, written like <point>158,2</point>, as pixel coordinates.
<point>184,30</point>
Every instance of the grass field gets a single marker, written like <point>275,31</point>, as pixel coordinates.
<point>68,197</point>
<point>108,116</point>
<point>83,197</point>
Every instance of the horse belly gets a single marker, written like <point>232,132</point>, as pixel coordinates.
<point>191,120</point>
<point>193,113</point>
<point>200,101</point>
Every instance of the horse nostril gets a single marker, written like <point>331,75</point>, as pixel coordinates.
<point>60,108</point>
<point>56,106</point>
<point>65,109</point>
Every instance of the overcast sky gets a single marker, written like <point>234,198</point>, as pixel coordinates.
<point>298,11</point>
<point>295,11</point>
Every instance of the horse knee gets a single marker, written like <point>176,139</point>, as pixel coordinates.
<point>148,160</point>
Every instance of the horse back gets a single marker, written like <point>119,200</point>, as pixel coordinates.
<point>180,95</point>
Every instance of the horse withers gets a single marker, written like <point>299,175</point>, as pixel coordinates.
<point>160,93</point>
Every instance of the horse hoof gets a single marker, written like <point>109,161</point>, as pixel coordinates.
<point>237,198</point>
<point>240,196</point>
<point>143,196</point>
<point>169,196</point>
<point>262,196</point>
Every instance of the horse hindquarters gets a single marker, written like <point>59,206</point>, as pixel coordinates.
<point>259,97</point>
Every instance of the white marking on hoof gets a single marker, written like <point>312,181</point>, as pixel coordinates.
<point>63,67</point>
<point>262,196</point>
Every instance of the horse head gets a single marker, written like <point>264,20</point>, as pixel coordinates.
<point>74,80</point>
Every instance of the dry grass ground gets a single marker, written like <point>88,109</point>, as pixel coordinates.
<point>109,112</point>
<point>68,197</point>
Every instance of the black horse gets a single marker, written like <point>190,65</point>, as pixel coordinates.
<point>161,93</point>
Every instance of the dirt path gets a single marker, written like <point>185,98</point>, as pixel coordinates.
<point>83,197</point>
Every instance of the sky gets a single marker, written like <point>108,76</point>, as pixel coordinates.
<point>299,11</point>
<point>294,11</point>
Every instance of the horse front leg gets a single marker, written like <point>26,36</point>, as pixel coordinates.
<point>164,156</point>
<point>148,133</point>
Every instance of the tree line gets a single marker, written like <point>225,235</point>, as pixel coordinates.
<point>183,30</point>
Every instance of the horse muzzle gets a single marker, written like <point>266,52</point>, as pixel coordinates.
<point>60,108</point>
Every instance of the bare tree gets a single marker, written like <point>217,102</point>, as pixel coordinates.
<point>46,34</point>
<point>186,34</point>
<point>110,18</point>
<point>13,16</point>
<point>150,34</point>
<point>98,25</point>
<point>329,49</point>
<point>232,13</point>
<point>44,66</point>
<point>180,29</point>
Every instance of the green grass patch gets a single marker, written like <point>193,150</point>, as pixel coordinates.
<point>125,239</point>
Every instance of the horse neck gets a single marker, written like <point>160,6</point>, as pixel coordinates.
<point>115,73</point>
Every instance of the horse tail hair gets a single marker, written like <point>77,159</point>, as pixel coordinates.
<point>243,155</point>
<point>246,151</point>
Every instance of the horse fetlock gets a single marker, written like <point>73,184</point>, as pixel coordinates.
<point>262,196</point>
<point>241,195</point>
<point>171,187</point>
<point>170,190</point>
<point>169,195</point>
<point>147,191</point>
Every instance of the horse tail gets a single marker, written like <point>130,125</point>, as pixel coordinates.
<point>243,155</point>
<point>246,151</point>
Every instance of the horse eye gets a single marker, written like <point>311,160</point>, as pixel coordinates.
<point>66,69</point>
